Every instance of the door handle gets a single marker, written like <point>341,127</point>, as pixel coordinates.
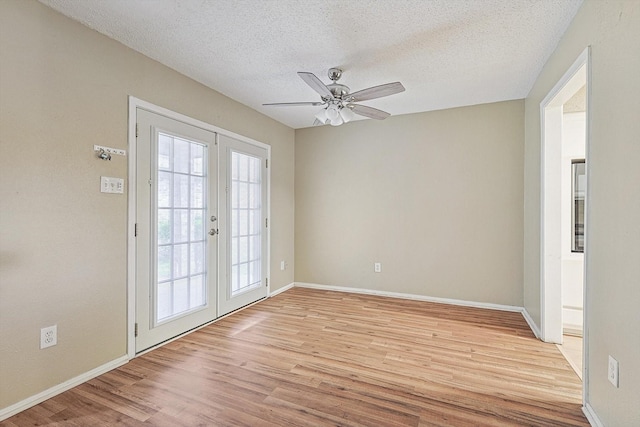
<point>213,231</point>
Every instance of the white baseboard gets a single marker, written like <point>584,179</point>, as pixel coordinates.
<point>532,325</point>
<point>55,390</point>
<point>415,297</point>
<point>591,416</point>
<point>281,290</point>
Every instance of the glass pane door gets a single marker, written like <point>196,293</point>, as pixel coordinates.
<point>244,226</point>
<point>176,209</point>
<point>246,221</point>
<point>181,262</point>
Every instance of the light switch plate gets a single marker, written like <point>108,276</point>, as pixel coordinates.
<point>111,185</point>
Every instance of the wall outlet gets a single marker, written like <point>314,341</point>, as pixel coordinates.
<point>377,267</point>
<point>48,336</point>
<point>283,265</point>
<point>613,372</point>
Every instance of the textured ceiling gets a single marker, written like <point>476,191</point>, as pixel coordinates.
<point>447,53</point>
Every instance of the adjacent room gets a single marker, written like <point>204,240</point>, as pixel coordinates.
<point>283,212</point>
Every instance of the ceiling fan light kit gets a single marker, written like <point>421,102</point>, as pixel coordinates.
<point>334,114</point>
<point>338,102</point>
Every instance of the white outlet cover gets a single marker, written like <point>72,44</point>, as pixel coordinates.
<point>377,267</point>
<point>48,336</point>
<point>613,372</point>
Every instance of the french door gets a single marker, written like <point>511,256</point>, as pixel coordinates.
<point>201,218</point>
<point>243,205</point>
<point>176,208</point>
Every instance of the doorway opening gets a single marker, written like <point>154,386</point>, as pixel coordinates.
<point>564,130</point>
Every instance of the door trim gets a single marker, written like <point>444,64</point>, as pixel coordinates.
<point>546,316</point>
<point>134,104</point>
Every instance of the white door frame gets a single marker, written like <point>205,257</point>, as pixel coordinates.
<point>134,104</point>
<point>550,292</point>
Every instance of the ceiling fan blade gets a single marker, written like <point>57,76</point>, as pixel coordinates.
<point>317,122</point>
<point>294,104</point>
<point>316,84</point>
<point>372,113</point>
<point>376,92</point>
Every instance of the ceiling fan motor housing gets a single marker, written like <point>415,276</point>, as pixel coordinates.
<point>339,91</point>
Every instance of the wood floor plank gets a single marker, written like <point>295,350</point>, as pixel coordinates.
<point>321,358</point>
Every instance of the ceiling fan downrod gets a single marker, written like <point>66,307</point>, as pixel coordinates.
<point>338,90</point>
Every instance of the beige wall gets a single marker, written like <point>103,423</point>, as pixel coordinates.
<point>612,29</point>
<point>64,88</point>
<point>435,197</point>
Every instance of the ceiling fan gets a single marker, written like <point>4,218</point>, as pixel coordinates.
<point>339,103</point>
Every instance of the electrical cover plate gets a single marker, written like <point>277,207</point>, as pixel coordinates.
<point>613,372</point>
<point>111,185</point>
<point>48,336</point>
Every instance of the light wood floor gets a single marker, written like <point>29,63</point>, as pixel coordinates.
<point>571,348</point>
<point>320,358</point>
